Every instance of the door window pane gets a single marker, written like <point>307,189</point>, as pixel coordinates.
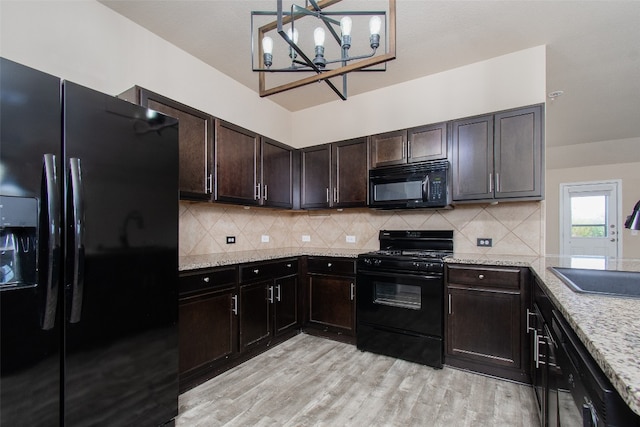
<point>589,216</point>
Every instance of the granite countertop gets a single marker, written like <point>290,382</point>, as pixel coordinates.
<point>195,262</point>
<point>608,326</point>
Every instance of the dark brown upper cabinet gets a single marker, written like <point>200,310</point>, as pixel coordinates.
<point>349,173</point>
<point>499,156</point>
<point>195,141</point>
<point>417,144</point>
<point>237,153</point>
<point>276,164</point>
<point>334,175</point>
<point>252,170</point>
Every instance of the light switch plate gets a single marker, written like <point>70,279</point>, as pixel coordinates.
<point>351,239</point>
<point>306,238</point>
<point>231,240</point>
<point>265,238</point>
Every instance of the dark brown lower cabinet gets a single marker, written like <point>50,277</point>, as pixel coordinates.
<point>230,314</point>
<point>207,323</point>
<point>485,321</point>
<point>331,297</point>
<point>255,315</point>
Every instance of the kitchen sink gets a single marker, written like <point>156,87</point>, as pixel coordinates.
<point>603,282</point>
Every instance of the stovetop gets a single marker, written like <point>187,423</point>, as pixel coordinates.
<point>411,251</point>
<point>416,253</point>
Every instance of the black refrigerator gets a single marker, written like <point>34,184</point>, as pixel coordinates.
<point>88,256</point>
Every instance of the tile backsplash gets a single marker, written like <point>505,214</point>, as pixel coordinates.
<point>515,228</point>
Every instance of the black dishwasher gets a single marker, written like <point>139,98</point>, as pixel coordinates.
<point>585,396</point>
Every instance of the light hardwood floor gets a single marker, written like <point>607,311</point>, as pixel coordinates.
<point>312,381</point>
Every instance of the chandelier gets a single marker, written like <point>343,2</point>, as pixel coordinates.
<point>338,44</point>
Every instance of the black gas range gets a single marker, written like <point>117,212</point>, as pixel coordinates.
<point>400,288</point>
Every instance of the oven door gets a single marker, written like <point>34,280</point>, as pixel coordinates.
<point>401,301</point>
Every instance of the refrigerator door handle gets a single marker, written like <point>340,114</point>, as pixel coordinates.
<point>78,239</point>
<point>52,198</point>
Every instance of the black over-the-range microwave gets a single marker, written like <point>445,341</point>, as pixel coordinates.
<point>421,185</point>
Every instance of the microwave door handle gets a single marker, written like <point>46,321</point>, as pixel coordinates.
<point>426,188</point>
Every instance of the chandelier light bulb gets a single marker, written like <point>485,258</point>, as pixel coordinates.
<point>374,25</point>
<point>345,26</point>
<point>267,45</point>
<point>267,50</point>
<point>318,36</point>
<point>294,36</point>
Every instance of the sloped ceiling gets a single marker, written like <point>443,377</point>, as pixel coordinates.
<point>593,50</point>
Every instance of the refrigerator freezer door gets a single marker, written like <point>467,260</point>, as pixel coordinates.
<point>121,272</point>
<point>30,328</point>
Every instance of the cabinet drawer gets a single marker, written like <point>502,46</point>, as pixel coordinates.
<point>268,270</point>
<point>495,277</point>
<point>202,280</point>
<point>331,265</point>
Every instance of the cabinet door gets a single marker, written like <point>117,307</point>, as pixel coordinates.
<point>286,304</point>
<point>331,303</point>
<point>388,148</point>
<point>277,170</point>
<point>195,134</point>
<point>350,173</point>
<point>472,162</point>
<point>315,176</point>
<point>206,329</point>
<point>484,326</point>
<point>518,153</point>
<point>427,143</point>
<point>236,164</point>
<point>255,314</point>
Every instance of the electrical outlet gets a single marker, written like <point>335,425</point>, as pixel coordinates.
<point>265,238</point>
<point>306,238</point>
<point>231,240</point>
<point>351,239</point>
<point>485,242</point>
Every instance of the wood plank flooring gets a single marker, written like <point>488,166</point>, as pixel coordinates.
<point>313,381</point>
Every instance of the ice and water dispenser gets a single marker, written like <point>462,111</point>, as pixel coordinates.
<point>18,232</point>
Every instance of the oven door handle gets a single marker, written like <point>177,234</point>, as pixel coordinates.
<point>387,273</point>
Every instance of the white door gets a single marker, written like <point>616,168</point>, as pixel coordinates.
<point>589,218</point>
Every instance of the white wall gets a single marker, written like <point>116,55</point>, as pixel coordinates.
<point>606,160</point>
<point>509,81</point>
<point>88,43</point>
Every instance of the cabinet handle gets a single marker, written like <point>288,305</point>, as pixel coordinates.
<point>266,189</point>
<point>404,148</point>
<point>529,328</point>
<point>450,304</point>
<point>209,184</point>
<point>480,276</point>
<point>408,148</point>
<point>235,304</point>
<point>279,293</point>
<point>352,292</point>
<point>327,194</point>
<point>490,183</point>
<point>335,194</point>
<point>206,279</point>
<point>536,349</point>
<point>270,297</point>
<point>329,264</point>
<point>258,191</point>
<point>497,182</point>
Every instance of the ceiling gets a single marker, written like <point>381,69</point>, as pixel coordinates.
<point>593,50</point>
